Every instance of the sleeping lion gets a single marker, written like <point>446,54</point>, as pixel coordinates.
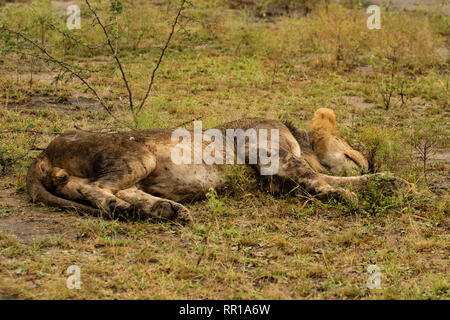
<point>136,172</point>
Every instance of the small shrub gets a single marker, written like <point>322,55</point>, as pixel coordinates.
<point>239,178</point>
<point>376,200</point>
<point>215,204</point>
<point>426,137</point>
<point>383,148</point>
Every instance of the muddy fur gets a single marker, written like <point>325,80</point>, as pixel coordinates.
<point>132,172</point>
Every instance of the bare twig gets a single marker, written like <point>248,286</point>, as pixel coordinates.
<point>111,42</point>
<point>116,57</point>
<point>425,148</point>
<point>29,131</point>
<point>166,45</point>
<point>187,122</point>
<point>75,40</point>
<point>68,68</point>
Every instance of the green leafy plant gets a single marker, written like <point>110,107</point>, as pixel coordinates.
<point>24,42</point>
<point>390,80</point>
<point>382,147</point>
<point>375,200</point>
<point>215,204</point>
<point>239,179</point>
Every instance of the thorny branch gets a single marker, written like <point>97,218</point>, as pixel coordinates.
<point>116,57</point>
<point>66,67</point>
<point>47,56</point>
<point>166,45</point>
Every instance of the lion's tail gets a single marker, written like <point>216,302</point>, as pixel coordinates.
<point>37,173</point>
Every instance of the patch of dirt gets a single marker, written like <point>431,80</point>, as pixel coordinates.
<point>440,185</point>
<point>365,70</point>
<point>358,102</point>
<point>440,161</point>
<point>444,52</point>
<point>442,156</point>
<point>413,5</point>
<point>62,106</point>
<point>419,104</point>
<point>438,172</point>
<point>29,222</point>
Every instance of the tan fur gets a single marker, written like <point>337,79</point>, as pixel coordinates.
<point>38,183</point>
<point>132,172</point>
<point>313,161</point>
<point>332,151</point>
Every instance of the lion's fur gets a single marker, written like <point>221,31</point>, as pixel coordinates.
<point>100,173</point>
<point>41,178</point>
<point>303,139</point>
<point>330,148</point>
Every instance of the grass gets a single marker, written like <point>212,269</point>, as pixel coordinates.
<point>244,243</point>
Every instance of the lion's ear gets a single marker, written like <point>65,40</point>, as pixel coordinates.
<point>42,167</point>
<point>331,116</point>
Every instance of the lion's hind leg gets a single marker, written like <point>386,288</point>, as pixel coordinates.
<point>112,173</point>
<point>149,206</point>
<point>79,189</point>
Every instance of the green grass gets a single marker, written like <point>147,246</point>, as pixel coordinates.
<point>243,243</point>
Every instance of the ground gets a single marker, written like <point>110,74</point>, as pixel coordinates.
<point>242,244</point>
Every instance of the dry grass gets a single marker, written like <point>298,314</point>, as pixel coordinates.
<point>229,64</point>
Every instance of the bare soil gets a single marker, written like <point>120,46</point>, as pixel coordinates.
<point>411,5</point>
<point>61,106</point>
<point>30,223</point>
